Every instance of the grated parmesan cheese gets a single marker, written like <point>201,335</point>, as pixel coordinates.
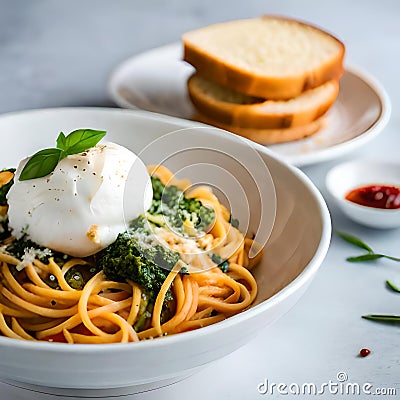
<point>30,254</point>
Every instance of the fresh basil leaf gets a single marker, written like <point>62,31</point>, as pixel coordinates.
<point>45,161</point>
<point>392,286</point>
<point>355,241</point>
<point>383,318</point>
<point>40,164</point>
<point>365,257</point>
<point>82,139</point>
<point>61,141</point>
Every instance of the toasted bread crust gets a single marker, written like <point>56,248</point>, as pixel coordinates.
<point>259,115</point>
<point>268,136</point>
<point>253,84</point>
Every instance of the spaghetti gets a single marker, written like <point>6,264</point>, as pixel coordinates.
<point>107,311</point>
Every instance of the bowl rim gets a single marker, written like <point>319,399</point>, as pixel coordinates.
<point>302,279</point>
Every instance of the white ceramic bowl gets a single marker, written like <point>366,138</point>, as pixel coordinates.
<point>351,175</point>
<point>295,250</point>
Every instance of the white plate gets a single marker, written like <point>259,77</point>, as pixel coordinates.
<point>156,81</point>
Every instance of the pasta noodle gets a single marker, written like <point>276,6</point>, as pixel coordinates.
<point>106,311</point>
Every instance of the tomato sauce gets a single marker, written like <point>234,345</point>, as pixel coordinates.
<point>376,196</point>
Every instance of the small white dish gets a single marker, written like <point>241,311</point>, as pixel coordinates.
<point>155,80</point>
<point>354,174</point>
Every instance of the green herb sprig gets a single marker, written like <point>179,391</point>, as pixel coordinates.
<point>383,318</point>
<point>369,256</point>
<point>45,161</point>
<point>392,286</point>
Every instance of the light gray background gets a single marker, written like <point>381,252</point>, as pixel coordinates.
<point>56,53</point>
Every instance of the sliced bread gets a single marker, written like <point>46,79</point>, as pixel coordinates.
<point>268,136</point>
<point>268,57</point>
<point>233,108</point>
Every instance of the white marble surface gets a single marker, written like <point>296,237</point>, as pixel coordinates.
<point>61,53</point>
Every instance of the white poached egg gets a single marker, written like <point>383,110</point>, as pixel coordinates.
<point>82,206</point>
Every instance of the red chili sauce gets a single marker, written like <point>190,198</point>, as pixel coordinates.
<point>377,196</point>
